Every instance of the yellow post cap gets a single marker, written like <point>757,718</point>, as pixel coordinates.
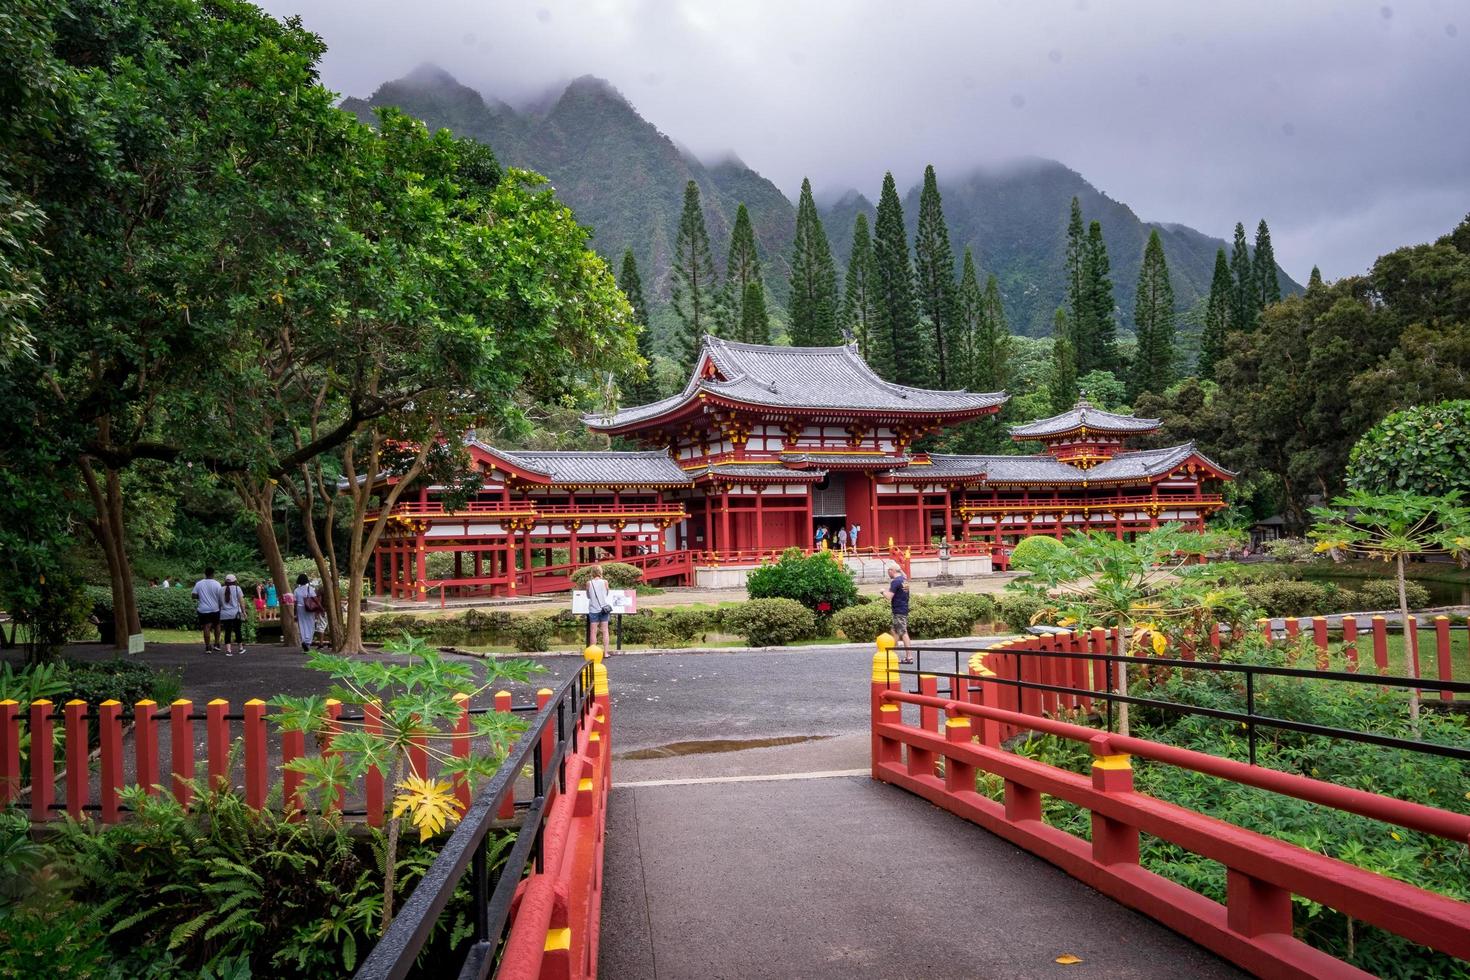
<point>885,665</point>
<point>885,641</point>
<point>593,653</point>
<point>957,723</point>
<point>599,679</point>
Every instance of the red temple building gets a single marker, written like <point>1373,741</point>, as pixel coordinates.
<point>763,446</point>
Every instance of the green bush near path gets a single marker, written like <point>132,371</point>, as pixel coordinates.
<point>771,622</point>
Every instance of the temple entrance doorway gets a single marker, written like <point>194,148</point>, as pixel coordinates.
<point>829,508</point>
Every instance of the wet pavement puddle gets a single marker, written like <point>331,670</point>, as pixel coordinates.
<point>706,746</point>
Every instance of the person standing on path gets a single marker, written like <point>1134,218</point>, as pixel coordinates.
<point>272,602</point>
<point>821,536</point>
<point>897,594</point>
<point>307,606</point>
<point>852,535</point>
<point>842,540</point>
<point>259,601</point>
<point>209,597</point>
<point>232,615</point>
<point>599,607</point>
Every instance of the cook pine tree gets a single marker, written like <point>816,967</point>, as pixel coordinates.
<point>1153,321</point>
<point>694,290</point>
<point>814,304</point>
<point>1217,318</point>
<point>743,271</point>
<point>1061,385</point>
<point>934,276</point>
<point>898,350</point>
<point>859,295</point>
<point>1263,269</point>
<point>1244,295</point>
<point>638,388</point>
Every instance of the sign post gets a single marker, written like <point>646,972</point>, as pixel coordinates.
<point>622,601</point>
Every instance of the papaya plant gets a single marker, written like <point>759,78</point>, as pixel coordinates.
<point>418,702</point>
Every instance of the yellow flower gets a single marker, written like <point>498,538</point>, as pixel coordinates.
<point>430,805</point>
<point>1160,644</point>
<point>1394,835</point>
<point>1326,545</point>
<point>1067,621</point>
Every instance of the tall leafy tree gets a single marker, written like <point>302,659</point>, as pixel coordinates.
<point>1314,281</point>
<point>934,275</point>
<point>814,304</point>
<point>1096,332</point>
<point>755,323</point>
<point>1244,296</point>
<point>898,345</point>
<point>638,386</point>
<point>994,349</point>
<point>860,295</point>
<point>1076,270</point>
<point>742,270</point>
<point>970,312</point>
<point>1217,318</point>
<point>1153,318</point>
<point>694,290</point>
<point>1062,384</point>
<point>1263,269</point>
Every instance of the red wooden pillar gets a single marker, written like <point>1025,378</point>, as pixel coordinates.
<point>1293,629</point>
<point>1097,639</point>
<point>372,723</point>
<point>1442,648</point>
<point>725,543</point>
<point>43,761</point>
<point>548,737</point>
<point>255,770</point>
<point>1319,632</point>
<point>109,730</point>
<point>460,747</point>
<point>145,745</point>
<point>1350,641</point>
<point>1266,633</point>
<point>959,777</point>
<point>334,728</point>
<point>1113,842</point>
<point>181,749</point>
<point>217,734</point>
<point>9,750</point>
<point>1380,644</point>
<point>760,520</point>
<point>421,568</point>
<point>77,776</point>
<point>507,808</point>
<point>293,746</point>
<point>1255,907</point>
<point>1046,672</point>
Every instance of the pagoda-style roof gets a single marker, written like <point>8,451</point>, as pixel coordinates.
<point>844,461</point>
<point>1145,463</point>
<point>798,379</point>
<point>566,468</point>
<point>1046,470</point>
<point>763,472</point>
<point>1082,416</point>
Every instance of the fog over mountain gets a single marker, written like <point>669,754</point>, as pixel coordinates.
<point>625,179</point>
<point>1342,123</point>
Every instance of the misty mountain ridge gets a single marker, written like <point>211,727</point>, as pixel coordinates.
<point>625,180</point>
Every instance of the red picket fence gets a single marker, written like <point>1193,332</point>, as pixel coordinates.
<point>938,757</point>
<point>266,750</point>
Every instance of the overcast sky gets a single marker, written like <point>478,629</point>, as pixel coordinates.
<point>1345,125</point>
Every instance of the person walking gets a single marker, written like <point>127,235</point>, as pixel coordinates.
<point>821,536</point>
<point>308,606</point>
<point>209,596</point>
<point>259,601</point>
<point>842,540</point>
<point>897,595</point>
<point>599,608</point>
<point>232,615</point>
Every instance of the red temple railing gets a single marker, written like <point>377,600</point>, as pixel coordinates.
<point>496,508</point>
<point>1083,503</point>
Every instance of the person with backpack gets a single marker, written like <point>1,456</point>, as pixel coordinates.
<point>209,595</point>
<point>599,607</point>
<point>308,607</point>
<point>232,615</point>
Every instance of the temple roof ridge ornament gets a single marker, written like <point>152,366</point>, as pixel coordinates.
<point>802,380</point>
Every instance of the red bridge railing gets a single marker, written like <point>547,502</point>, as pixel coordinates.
<point>951,738</point>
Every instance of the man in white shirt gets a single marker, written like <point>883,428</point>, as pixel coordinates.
<point>209,597</point>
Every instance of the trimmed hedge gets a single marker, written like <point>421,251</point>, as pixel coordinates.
<point>863,623</point>
<point>1383,593</point>
<point>814,580</point>
<point>771,622</point>
<point>1017,610</point>
<point>619,575</point>
<point>930,617</point>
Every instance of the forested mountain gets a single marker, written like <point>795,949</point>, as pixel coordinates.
<point>625,179</point>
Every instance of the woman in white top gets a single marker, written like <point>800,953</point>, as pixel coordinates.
<point>305,618</point>
<point>599,598</point>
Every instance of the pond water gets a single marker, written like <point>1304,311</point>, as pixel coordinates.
<point>1440,593</point>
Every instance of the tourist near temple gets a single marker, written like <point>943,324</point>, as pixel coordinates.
<point>763,446</point>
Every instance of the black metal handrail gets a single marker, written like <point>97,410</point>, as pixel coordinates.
<point>1250,718</point>
<point>491,890</point>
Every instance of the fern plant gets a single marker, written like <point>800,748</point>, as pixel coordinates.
<point>418,701</point>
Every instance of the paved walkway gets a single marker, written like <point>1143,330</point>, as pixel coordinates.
<point>842,877</point>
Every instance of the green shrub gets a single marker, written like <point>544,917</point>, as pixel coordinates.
<point>815,581</point>
<point>930,619</point>
<point>771,622</point>
<point>1383,593</point>
<point>169,609</point>
<point>980,608</point>
<point>1036,548</point>
<point>1292,550</point>
<point>619,575</point>
<point>117,679</point>
<point>688,625</point>
<point>863,623</point>
<point>1288,597</point>
<point>1017,610</point>
<point>645,627</point>
<point>530,634</point>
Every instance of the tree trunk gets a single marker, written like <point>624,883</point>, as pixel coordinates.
<point>1411,659</point>
<point>258,501</point>
<point>103,530</point>
<point>1120,678</point>
<point>395,825</point>
<point>124,564</point>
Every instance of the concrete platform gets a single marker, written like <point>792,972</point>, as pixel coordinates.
<point>843,877</point>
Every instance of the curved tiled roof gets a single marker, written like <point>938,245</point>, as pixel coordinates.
<point>875,461</point>
<point>654,468</point>
<point>1005,469</point>
<point>1144,463</point>
<point>759,471</point>
<point>1079,416</point>
<point>803,378</point>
